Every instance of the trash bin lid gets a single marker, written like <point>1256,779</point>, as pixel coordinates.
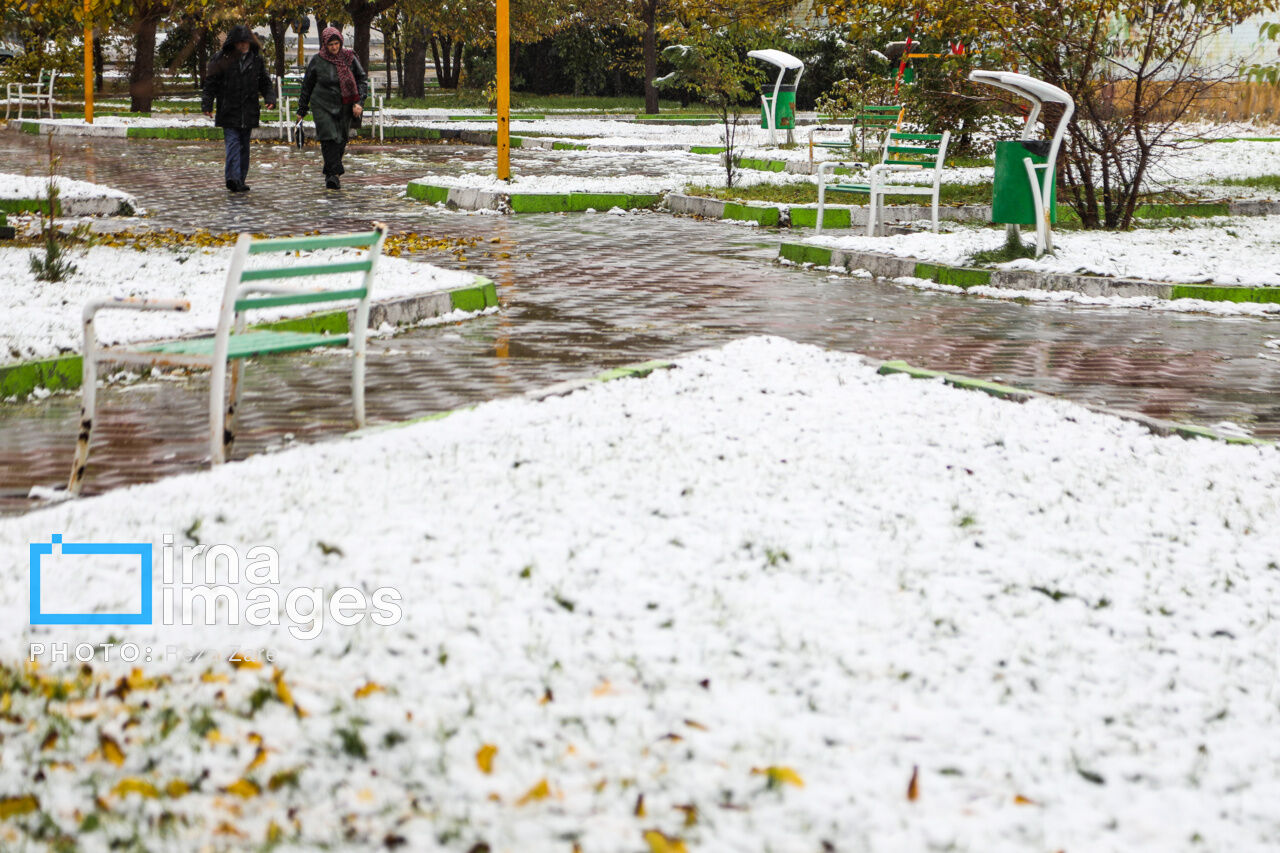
<point>780,58</point>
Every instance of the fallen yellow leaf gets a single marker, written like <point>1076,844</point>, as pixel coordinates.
<point>777,775</point>
<point>1023,801</point>
<point>111,750</point>
<point>369,689</point>
<point>484,757</point>
<point>244,788</point>
<point>660,843</point>
<point>50,740</point>
<point>539,791</point>
<point>604,688</point>
<point>259,759</point>
<point>176,788</point>
<point>690,814</point>
<point>913,787</point>
<point>638,811</point>
<point>215,678</point>
<point>134,785</point>
<point>20,805</point>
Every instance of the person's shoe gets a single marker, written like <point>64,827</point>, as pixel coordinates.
<point>241,187</point>
<point>331,182</point>
<point>231,185</point>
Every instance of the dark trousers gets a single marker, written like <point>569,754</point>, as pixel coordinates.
<point>333,151</point>
<point>236,140</point>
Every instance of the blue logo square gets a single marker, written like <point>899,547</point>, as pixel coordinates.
<point>141,549</point>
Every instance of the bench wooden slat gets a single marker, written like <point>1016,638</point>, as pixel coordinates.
<point>306,270</point>
<point>919,137</point>
<point>275,301</point>
<point>250,344</point>
<point>319,241</point>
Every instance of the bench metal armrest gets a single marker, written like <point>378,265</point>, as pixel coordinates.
<point>897,167</point>
<point>131,303</point>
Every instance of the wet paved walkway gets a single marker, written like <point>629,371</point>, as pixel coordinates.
<point>582,293</point>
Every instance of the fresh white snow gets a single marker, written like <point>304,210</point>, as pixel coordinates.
<point>769,557</point>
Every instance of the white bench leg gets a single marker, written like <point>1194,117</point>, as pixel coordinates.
<point>88,408</point>
<point>233,409</point>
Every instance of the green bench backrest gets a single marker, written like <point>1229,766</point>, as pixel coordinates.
<point>913,148</point>
<point>369,239</point>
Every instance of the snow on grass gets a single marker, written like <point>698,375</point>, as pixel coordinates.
<point>37,187</point>
<point>1242,250</point>
<point>674,600</point>
<point>40,319</point>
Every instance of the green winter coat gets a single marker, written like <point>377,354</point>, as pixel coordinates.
<point>321,97</point>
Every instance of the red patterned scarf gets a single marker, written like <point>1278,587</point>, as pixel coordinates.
<point>342,62</point>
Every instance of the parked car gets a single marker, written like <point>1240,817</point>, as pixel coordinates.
<point>9,50</point>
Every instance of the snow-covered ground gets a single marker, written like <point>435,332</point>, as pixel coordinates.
<point>40,319</point>
<point>1242,250</point>
<point>741,603</point>
<point>37,187</point>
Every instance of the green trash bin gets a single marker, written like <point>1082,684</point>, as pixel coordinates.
<point>786,113</point>
<point>1011,199</point>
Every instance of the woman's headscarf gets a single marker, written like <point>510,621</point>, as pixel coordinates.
<point>341,62</point>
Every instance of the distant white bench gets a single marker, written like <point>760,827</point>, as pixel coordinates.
<point>289,89</point>
<point>231,343</point>
<point>38,94</point>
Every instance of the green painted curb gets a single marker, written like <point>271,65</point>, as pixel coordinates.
<point>27,205</point>
<point>1215,293</point>
<point>64,372</point>
<point>767,216</point>
<point>578,202</point>
<point>1020,395</point>
<point>799,253</point>
<point>634,371</point>
<point>568,146</point>
<point>174,132</point>
<point>832,217</point>
<point>761,165</point>
<point>707,149</point>
<point>427,192</point>
<point>995,389</point>
<point>56,374</point>
<point>483,295</point>
<point>957,276</point>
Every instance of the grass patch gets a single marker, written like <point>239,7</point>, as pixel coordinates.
<point>1012,249</point>
<point>1259,182</point>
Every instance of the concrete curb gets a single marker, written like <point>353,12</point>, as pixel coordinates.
<point>474,198</point>
<point>559,389</point>
<point>1022,395</point>
<point>86,206</point>
<point>892,266</point>
<point>64,372</point>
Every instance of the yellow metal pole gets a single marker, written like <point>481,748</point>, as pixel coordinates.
<point>504,91</point>
<point>88,64</point>
<point>301,59</point>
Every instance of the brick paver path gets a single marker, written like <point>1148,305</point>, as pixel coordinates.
<point>582,293</point>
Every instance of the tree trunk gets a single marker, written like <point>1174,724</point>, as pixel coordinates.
<point>362,14</point>
<point>142,83</point>
<point>98,61</point>
<point>447,56</point>
<point>279,28</point>
<point>413,84</point>
<point>650,57</point>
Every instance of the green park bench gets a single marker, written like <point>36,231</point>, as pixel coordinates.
<point>38,94</point>
<point>902,152</point>
<point>246,290</point>
<point>875,119</point>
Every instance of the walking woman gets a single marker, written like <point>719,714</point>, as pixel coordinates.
<point>336,86</point>
<point>237,75</point>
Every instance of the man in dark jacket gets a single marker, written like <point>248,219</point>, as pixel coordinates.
<point>237,75</point>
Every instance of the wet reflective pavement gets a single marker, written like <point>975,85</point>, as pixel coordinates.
<point>580,294</point>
